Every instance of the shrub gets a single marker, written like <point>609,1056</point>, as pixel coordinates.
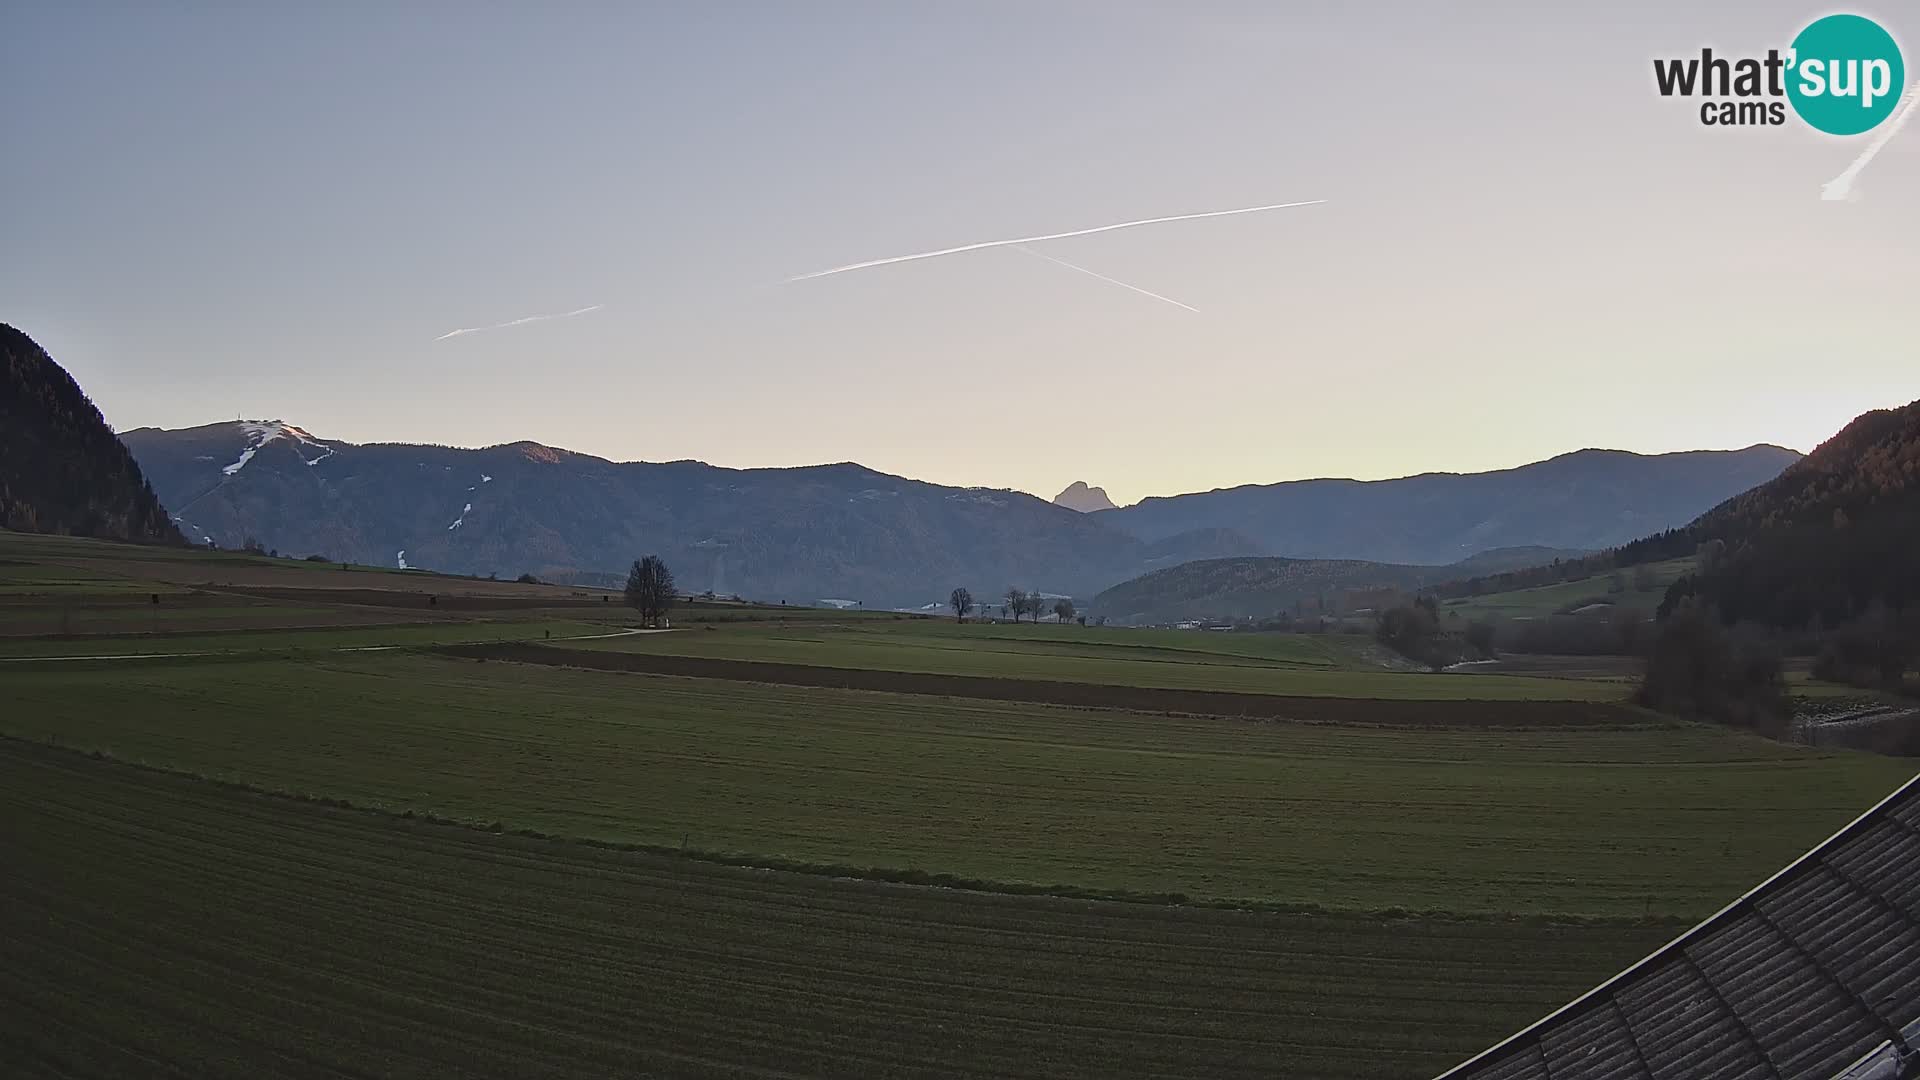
<point>1480,635</point>
<point>1700,669</point>
<point>1413,631</point>
<point>1874,650</point>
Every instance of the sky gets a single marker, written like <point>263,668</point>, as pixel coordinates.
<point>272,211</point>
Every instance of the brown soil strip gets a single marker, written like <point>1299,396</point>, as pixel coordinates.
<point>1318,710</point>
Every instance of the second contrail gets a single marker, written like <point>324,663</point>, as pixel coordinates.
<point>1051,236</point>
<point>1841,187</point>
<point>1105,278</point>
<point>518,322</point>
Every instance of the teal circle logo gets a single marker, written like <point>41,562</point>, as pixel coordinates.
<point>1845,74</point>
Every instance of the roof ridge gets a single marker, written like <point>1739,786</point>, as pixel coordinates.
<point>1578,1006</point>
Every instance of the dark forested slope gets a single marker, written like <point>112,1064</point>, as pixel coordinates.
<point>62,470</point>
<point>1834,536</point>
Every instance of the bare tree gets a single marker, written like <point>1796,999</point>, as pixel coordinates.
<point>961,602</point>
<point>1063,610</point>
<point>650,589</point>
<point>1017,602</point>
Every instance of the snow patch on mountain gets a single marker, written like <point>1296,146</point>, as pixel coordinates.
<point>464,511</point>
<point>984,496</point>
<point>245,456</point>
<point>402,559</point>
<point>259,433</point>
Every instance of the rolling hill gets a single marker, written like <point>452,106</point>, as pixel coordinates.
<point>1263,587</point>
<point>61,468</point>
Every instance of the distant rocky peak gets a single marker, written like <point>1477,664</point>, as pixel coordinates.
<point>1078,496</point>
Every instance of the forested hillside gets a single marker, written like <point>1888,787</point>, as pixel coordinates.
<point>62,470</point>
<point>1834,537</point>
<point>1264,587</point>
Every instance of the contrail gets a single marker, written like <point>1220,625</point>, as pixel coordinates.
<point>1841,187</point>
<point>1105,278</point>
<point>518,322</point>
<point>1050,236</point>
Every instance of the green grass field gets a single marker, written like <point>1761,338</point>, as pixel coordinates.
<point>20,579</point>
<point>272,640</point>
<point>1288,664</point>
<point>108,558</point>
<point>158,926</point>
<point>1668,820</point>
<point>91,618</point>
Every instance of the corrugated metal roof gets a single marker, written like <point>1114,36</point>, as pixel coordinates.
<point>1814,975</point>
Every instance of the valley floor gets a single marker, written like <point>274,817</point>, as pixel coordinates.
<point>390,824</point>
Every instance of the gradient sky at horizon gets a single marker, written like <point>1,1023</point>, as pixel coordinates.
<point>215,211</point>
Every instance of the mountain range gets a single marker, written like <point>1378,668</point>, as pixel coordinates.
<point>839,531</point>
<point>844,531</point>
<point>1588,499</point>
